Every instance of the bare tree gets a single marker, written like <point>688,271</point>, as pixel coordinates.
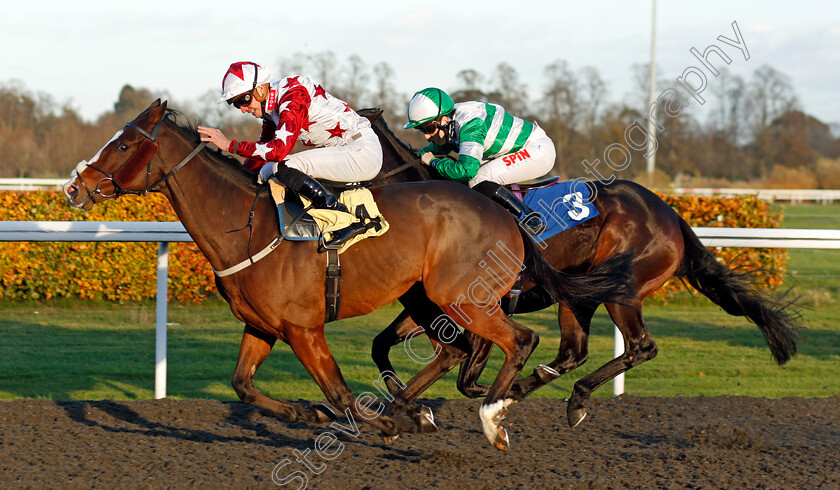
<point>594,90</point>
<point>562,94</point>
<point>471,90</point>
<point>510,92</point>
<point>356,81</point>
<point>325,68</point>
<point>385,95</point>
<point>770,94</point>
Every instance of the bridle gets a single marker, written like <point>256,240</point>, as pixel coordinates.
<point>129,169</point>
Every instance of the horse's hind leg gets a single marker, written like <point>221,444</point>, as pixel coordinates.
<point>638,348</point>
<point>253,350</point>
<point>471,368</point>
<point>573,351</point>
<point>393,334</point>
<point>450,345</point>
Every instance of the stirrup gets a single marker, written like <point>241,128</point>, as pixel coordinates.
<point>341,237</point>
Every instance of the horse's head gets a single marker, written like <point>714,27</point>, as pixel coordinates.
<point>116,169</point>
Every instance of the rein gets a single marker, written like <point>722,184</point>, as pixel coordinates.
<point>149,146</point>
<point>399,169</point>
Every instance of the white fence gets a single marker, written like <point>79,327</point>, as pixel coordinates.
<point>794,196</point>
<point>166,232</point>
<point>30,184</point>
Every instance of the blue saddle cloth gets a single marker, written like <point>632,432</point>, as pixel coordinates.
<point>562,205</point>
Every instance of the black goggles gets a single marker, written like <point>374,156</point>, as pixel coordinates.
<point>243,99</point>
<point>428,128</point>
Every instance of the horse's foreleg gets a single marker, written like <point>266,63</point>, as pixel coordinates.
<point>253,350</point>
<point>638,348</point>
<point>310,347</point>
<point>573,351</point>
<point>517,342</point>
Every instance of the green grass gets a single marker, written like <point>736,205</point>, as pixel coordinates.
<point>71,350</point>
<point>82,351</point>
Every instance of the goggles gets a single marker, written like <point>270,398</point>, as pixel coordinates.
<point>429,128</point>
<point>243,99</point>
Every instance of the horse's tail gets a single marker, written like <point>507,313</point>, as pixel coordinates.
<point>732,290</point>
<point>610,282</point>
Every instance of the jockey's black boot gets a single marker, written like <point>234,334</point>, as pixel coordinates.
<point>309,188</point>
<point>528,218</point>
<point>342,236</point>
<point>320,198</point>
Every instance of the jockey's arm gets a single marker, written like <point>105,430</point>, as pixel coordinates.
<point>276,141</point>
<point>470,153</point>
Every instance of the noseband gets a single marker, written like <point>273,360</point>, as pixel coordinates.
<point>141,156</point>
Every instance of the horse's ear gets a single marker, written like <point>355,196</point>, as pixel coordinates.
<point>165,102</point>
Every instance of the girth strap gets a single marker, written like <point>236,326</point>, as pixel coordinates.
<point>511,299</point>
<point>333,286</point>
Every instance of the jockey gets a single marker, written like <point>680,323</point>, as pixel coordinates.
<point>494,148</point>
<point>293,109</point>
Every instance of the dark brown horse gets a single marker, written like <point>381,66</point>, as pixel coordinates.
<point>422,261</point>
<point>632,220</point>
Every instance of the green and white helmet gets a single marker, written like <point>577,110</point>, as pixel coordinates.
<point>427,104</point>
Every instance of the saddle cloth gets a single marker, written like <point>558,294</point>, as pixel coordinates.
<point>562,205</point>
<point>319,224</point>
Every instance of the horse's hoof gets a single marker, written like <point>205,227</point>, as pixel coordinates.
<point>427,420</point>
<point>502,443</point>
<point>546,373</point>
<point>324,413</point>
<point>576,416</point>
<point>389,439</point>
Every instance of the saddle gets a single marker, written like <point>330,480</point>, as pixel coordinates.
<point>298,222</point>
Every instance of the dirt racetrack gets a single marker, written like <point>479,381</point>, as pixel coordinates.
<point>626,442</point>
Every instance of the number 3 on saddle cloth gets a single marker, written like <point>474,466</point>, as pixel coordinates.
<point>562,205</point>
<point>319,224</point>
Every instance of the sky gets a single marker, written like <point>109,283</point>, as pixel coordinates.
<point>83,52</point>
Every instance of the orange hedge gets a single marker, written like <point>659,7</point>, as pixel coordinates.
<point>116,271</point>
<point>740,212</point>
<point>127,271</point>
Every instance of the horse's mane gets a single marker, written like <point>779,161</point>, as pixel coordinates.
<point>374,115</point>
<point>187,129</point>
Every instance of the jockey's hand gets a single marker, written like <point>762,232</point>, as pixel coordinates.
<point>215,136</point>
<point>427,158</point>
<point>267,171</point>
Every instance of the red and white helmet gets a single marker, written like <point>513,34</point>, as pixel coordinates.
<point>241,77</point>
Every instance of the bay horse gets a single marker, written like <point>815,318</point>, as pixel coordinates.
<point>428,259</point>
<point>632,220</point>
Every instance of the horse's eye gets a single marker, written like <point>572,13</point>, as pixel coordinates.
<point>122,147</point>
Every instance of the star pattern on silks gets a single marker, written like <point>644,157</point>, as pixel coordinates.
<point>307,143</point>
<point>291,82</point>
<point>336,132</point>
<point>260,150</point>
<point>282,134</point>
<point>304,125</point>
<point>319,90</point>
<point>347,107</point>
<point>282,107</point>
